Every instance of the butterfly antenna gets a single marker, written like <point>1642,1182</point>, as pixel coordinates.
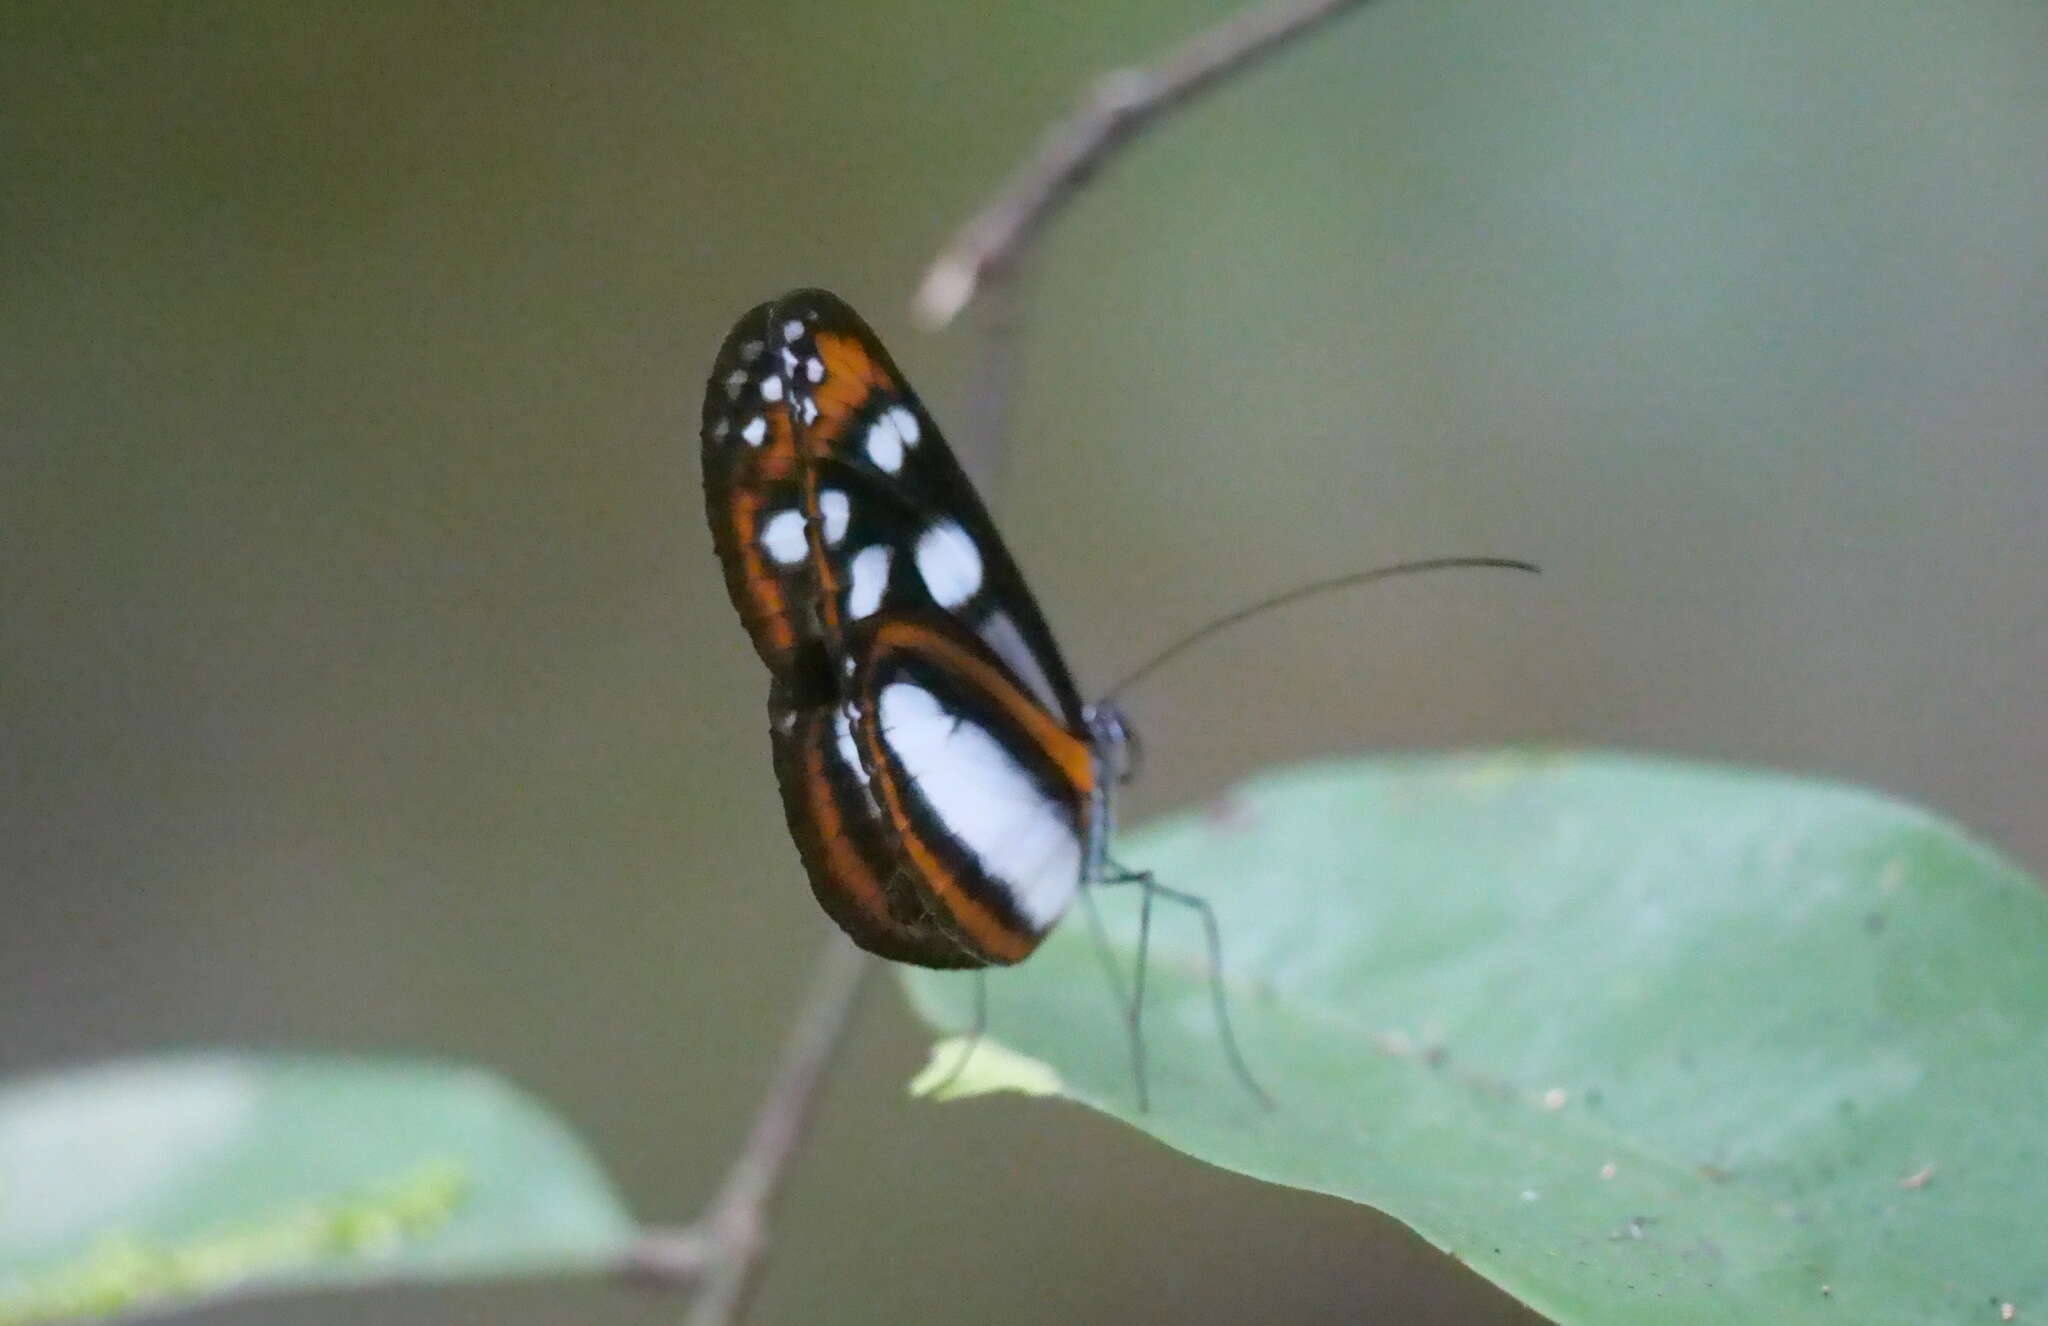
<point>1300,592</point>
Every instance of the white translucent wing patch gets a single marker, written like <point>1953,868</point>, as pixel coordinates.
<point>849,753</point>
<point>835,510</point>
<point>949,563</point>
<point>986,801</point>
<point>1001,634</point>
<point>889,436</point>
<point>869,580</point>
<point>782,535</point>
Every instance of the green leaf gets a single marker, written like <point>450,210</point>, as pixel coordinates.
<point>1636,1041</point>
<point>138,1185</point>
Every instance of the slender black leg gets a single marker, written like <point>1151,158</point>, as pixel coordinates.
<point>1104,949</point>
<point>1135,1014</point>
<point>974,1034</point>
<point>1153,888</point>
<point>1124,1002</point>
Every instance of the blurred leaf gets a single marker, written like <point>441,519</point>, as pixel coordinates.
<point>1636,1041</point>
<point>960,1067</point>
<point>134,1185</point>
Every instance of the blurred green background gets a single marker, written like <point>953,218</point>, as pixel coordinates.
<point>369,683</point>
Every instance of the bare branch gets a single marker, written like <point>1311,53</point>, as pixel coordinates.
<point>668,1258</point>
<point>721,1253</point>
<point>1121,105</point>
<point>998,363</point>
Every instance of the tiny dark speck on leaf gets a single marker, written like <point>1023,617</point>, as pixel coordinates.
<point>1873,924</point>
<point>1633,1229</point>
<point>1229,813</point>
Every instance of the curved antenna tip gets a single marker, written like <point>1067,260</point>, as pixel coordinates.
<point>1310,590</point>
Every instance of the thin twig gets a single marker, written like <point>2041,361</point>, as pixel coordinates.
<point>721,1253</point>
<point>1121,104</point>
<point>992,390</point>
<point>668,1257</point>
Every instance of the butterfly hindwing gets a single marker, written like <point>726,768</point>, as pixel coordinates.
<point>985,794</point>
<point>841,835</point>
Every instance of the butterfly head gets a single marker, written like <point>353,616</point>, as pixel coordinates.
<point>1118,753</point>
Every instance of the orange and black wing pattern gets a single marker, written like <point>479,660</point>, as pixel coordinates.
<point>927,737</point>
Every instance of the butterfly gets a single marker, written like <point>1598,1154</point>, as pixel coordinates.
<point>946,787</point>
<point>949,793</point>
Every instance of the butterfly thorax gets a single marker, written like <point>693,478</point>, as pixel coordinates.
<point>1114,747</point>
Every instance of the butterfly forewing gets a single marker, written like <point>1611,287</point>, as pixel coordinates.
<point>832,496</point>
<point>876,589</point>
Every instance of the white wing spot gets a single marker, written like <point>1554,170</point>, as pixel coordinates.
<point>833,506</point>
<point>735,382</point>
<point>849,754</point>
<point>771,389</point>
<point>792,330</point>
<point>949,563</point>
<point>810,410</point>
<point>783,537</point>
<point>870,576</point>
<point>720,429</point>
<point>906,425</point>
<point>788,362</point>
<point>751,351</point>
<point>986,801</point>
<point>756,429</point>
<point>814,369</point>
<point>885,443</point>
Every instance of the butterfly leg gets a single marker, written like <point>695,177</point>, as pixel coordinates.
<point>1116,985</point>
<point>974,1035</point>
<point>1153,888</point>
<point>1133,1007</point>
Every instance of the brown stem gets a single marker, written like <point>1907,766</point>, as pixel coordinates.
<point>720,1255</point>
<point>992,391</point>
<point>1120,106</point>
